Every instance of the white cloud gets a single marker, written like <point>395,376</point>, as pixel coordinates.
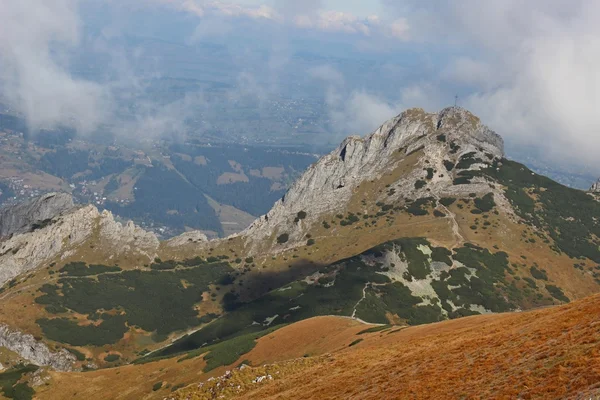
<point>305,14</point>
<point>531,67</point>
<point>400,29</point>
<point>358,111</point>
<point>35,36</point>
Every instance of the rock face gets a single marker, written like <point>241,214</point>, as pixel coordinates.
<point>27,216</point>
<point>187,238</point>
<point>329,184</point>
<point>595,187</point>
<point>63,235</point>
<point>35,352</point>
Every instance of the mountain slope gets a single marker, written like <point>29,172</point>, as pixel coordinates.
<point>545,354</point>
<point>421,221</point>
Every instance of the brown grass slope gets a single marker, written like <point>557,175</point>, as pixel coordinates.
<point>313,337</point>
<point>550,353</point>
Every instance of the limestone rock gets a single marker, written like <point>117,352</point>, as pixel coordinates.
<point>34,351</point>
<point>66,233</point>
<point>328,185</point>
<point>27,216</point>
<point>595,187</point>
<point>187,238</point>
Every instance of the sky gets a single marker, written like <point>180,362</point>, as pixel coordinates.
<point>528,69</point>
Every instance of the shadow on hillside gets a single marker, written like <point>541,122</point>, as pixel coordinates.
<point>259,300</point>
<point>260,281</point>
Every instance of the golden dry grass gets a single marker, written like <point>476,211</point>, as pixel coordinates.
<point>549,353</point>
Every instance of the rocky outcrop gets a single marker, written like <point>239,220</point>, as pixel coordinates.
<point>64,236</point>
<point>33,214</point>
<point>595,187</point>
<point>328,185</point>
<point>34,351</point>
<point>187,238</point>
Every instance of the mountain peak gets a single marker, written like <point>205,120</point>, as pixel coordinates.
<point>416,138</point>
<point>595,187</point>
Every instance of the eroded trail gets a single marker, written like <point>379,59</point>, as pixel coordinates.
<point>361,299</point>
<point>455,227</point>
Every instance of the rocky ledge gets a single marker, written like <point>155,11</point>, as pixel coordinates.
<point>35,351</point>
<point>63,235</point>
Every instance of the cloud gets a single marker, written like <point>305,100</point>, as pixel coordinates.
<point>35,38</point>
<point>355,111</point>
<point>529,69</point>
<point>305,14</point>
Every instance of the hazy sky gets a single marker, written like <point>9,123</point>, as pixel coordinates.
<point>529,69</point>
<point>360,8</point>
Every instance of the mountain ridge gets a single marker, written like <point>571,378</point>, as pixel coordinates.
<point>328,184</point>
<point>422,220</point>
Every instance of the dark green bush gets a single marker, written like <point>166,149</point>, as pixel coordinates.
<point>538,274</point>
<point>112,358</point>
<point>419,184</point>
<point>447,201</point>
<point>486,203</point>
<point>283,238</point>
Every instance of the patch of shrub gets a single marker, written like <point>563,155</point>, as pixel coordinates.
<point>430,172</point>
<point>79,355</point>
<point>557,293</point>
<point>300,216</point>
<point>447,201</point>
<point>64,330</point>
<point>538,274</point>
<point>441,254</point>
<point>354,343</point>
<point>112,358</point>
<point>350,219</point>
<point>374,329</point>
<point>416,207</point>
<point>449,165</point>
<point>283,238</point>
<point>79,268</point>
<point>467,160</point>
<point>486,203</point>
<point>419,184</point>
<point>177,387</point>
<point>10,386</point>
<point>156,300</point>
<point>157,386</point>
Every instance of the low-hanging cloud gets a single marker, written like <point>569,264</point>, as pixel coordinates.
<point>35,38</point>
<point>529,69</point>
<point>358,111</point>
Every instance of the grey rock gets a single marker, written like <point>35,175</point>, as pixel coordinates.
<point>328,185</point>
<point>67,234</point>
<point>595,187</point>
<point>35,351</point>
<point>25,217</point>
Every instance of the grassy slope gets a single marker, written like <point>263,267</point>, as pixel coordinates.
<point>312,337</point>
<point>549,353</point>
<point>504,233</point>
